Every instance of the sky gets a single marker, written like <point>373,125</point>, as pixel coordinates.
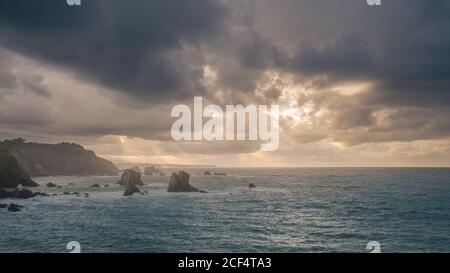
<point>357,85</point>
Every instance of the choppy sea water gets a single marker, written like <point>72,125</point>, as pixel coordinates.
<point>291,210</point>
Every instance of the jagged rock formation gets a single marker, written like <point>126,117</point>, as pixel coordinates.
<point>51,185</point>
<point>136,168</point>
<point>57,159</point>
<point>153,170</point>
<point>19,193</point>
<point>130,177</point>
<point>179,182</point>
<point>207,173</point>
<point>15,208</point>
<point>130,190</point>
<point>11,174</point>
<point>251,186</point>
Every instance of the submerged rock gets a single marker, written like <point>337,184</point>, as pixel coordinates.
<point>14,208</point>
<point>51,185</point>
<point>251,186</point>
<point>95,186</point>
<point>179,182</point>
<point>3,206</point>
<point>11,174</point>
<point>130,177</point>
<point>21,194</point>
<point>221,174</point>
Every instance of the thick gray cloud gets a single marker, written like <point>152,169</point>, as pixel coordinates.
<point>130,46</point>
<point>403,45</point>
<point>256,50</point>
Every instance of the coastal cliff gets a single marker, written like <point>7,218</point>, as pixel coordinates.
<point>38,159</point>
<point>11,174</point>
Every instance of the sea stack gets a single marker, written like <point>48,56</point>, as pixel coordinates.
<point>130,190</point>
<point>130,177</point>
<point>179,182</point>
<point>11,174</point>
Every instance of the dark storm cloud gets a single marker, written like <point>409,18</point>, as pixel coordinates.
<point>130,46</point>
<point>403,45</point>
<point>156,50</point>
<point>348,56</point>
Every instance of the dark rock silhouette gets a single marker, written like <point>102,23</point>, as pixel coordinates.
<point>207,173</point>
<point>222,174</point>
<point>151,170</point>
<point>51,185</point>
<point>11,174</point>
<point>3,206</point>
<point>57,159</point>
<point>14,208</point>
<point>95,186</point>
<point>251,186</point>
<point>130,190</point>
<point>136,168</point>
<point>3,194</point>
<point>21,194</point>
<point>130,177</point>
<point>179,182</point>
<point>41,194</point>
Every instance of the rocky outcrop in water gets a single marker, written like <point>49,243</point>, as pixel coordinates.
<point>151,170</point>
<point>251,186</point>
<point>130,177</point>
<point>51,185</point>
<point>57,159</point>
<point>11,174</point>
<point>14,208</point>
<point>179,182</point>
<point>130,190</point>
<point>207,173</point>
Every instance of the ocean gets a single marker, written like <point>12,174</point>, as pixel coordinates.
<point>290,210</point>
